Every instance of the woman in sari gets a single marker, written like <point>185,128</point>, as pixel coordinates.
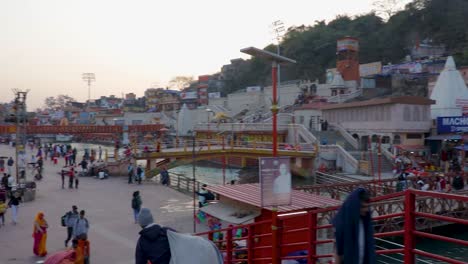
<point>40,235</point>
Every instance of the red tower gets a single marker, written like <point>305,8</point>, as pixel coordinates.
<point>348,58</point>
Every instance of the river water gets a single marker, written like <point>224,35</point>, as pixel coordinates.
<point>213,174</point>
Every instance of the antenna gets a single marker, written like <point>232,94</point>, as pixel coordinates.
<point>88,77</point>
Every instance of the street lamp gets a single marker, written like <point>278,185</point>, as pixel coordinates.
<point>275,60</point>
<point>193,134</point>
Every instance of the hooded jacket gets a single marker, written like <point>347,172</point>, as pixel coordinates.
<point>153,245</point>
<point>346,224</point>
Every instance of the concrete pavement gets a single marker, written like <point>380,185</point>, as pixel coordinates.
<point>107,203</point>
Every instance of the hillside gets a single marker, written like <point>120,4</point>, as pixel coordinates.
<point>314,46</point>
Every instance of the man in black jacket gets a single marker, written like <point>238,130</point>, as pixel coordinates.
<point>153,244</point>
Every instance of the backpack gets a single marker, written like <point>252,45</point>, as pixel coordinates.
<point>209,196</point>
<point>186,248</point>
<point>64,218</point>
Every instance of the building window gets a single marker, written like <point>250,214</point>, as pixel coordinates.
<point>413,136</point>
<point>406,113</point>
<point>301,119</point>
<point>397,140</point>
<point>416,113</point>
<point>386,140</point>
<point>375,138</point>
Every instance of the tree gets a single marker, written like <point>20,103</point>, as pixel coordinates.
<point>180,82</point>
<point>387,8</point>
<point>59,102</point>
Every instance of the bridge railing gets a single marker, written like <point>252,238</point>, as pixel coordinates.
<point>274,240</point>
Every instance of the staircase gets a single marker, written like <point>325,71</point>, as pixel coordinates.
<point>385,167</point>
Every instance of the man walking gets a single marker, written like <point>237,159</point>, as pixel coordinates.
<point>153,245</point>
<point>353,223</point>
<point>70,219</point>
<point>130,173</point>
<point>81,226</point>
<point>139,174</point>
<point>10,163</point>
<point>100,154</point>
<point>71,177</point>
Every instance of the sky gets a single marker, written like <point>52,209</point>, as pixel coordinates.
<point>131,45</point>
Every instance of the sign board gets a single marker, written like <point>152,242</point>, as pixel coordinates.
<point>188,95</point>
<point>370,69</point>
<point>275,181</point>
<point>214,95</point>
<point>452,124</point>
<point>409,67</point>
<point>253,89</point>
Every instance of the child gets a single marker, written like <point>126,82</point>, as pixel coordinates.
<point>3,208</point>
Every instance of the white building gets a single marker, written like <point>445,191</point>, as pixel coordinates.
<point>450,92</point>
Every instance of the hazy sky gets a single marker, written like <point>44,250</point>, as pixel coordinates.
<point>45,45</point>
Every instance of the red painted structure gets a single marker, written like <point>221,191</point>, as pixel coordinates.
<point>283,227</point>
<point>82,129</point>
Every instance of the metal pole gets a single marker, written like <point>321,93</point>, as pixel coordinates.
<point>409,227</point>
<point>274,107</point>
<point>193,178</point>
<point>380,160</point>
<point>17,141</point>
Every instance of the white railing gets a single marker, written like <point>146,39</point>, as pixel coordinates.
<point>303,132</point>
<point>387,154</point>
<point>237,127</point>
<point>348,157</point>
<point>344,97</point>
<point>351,140</point>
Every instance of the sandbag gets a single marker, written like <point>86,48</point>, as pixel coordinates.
<point>186,248</point>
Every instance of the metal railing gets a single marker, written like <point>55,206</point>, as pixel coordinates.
<point>340,98</point>
<point>237,127</point>
<point>273,240</point>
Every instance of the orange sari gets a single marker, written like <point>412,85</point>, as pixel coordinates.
<point>40,235</point>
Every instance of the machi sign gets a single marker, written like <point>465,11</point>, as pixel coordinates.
<point>452,124</point>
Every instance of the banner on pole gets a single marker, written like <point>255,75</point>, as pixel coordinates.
<point>275,181</point>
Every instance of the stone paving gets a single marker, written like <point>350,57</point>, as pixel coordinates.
<point>112,235</point>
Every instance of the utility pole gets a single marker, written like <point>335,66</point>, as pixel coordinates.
<point>21,121</point>
<point>89,77</point>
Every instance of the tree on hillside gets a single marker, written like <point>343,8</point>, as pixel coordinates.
<point>59,102</point>
<point>180,82</point>
<point>387,8</point>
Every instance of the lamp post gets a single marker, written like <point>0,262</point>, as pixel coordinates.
<point>193,134</point>
<point>275,61</point>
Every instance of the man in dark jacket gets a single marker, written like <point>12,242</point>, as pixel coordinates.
<point>153,244</point>
<point>354,232</point>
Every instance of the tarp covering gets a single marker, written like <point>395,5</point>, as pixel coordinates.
<point>186,248</point>
<point>445,137</point>
<point>228,213</point>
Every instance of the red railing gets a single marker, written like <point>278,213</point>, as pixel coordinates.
<point>271,240</point>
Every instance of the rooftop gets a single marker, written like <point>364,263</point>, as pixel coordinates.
<point>412,100</point>
<point>250,194</point>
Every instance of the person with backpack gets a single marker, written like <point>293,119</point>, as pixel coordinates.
<point>153,244</point>
<point>81,226</point>
<point>68,221</point>
<point>136,205</point>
